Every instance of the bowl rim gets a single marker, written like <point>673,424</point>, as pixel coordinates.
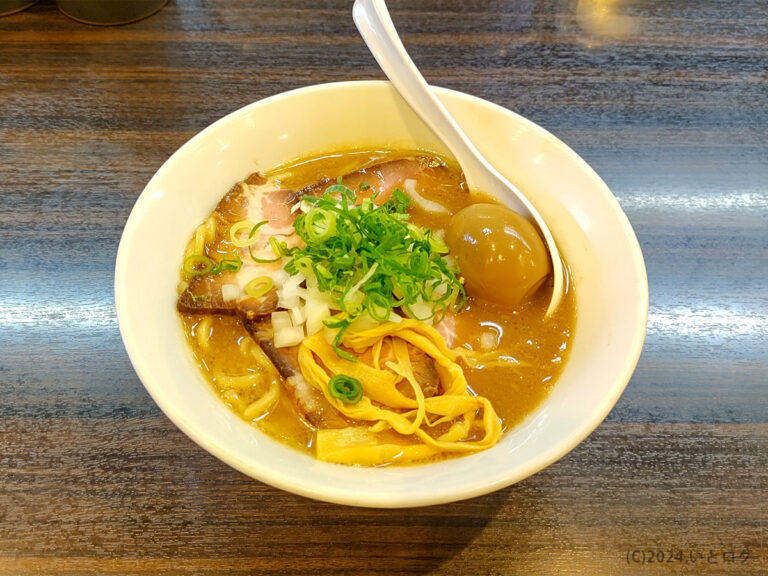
<point>301,487</point>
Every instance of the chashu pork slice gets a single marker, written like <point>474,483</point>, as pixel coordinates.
<point>255,199</point>
<point>382,178</point>
<point>310,402</point>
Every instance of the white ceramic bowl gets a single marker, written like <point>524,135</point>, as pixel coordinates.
<point>593,233</point>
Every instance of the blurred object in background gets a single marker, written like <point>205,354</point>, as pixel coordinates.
<point>11,6</point>
<point>603,18</point>
<point>109,12</point>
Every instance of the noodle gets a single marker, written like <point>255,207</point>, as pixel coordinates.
<point>233,399</point>
<point>203,332</point>
<point>264,404</point>
<point>249,347</point>
<point>237,382</point>
<point>204,234</point>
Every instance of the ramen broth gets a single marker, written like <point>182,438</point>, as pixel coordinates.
<point>519,352</point>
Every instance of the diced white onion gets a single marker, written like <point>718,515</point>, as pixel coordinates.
<point>439,291</point>
<point>314,293</point>
<point>363,322</point>
<point>297,315</point>
<point>488,340</point>
<point>421,310</point>
<point>420,201</point>
<point>290,336</point>
<point>230,292</point>
<point>279,277</point>
<point>288,296</point>
<point>317,311</point>
<point>281,320</point>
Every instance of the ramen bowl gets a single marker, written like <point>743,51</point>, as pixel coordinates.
<point>592,232</point>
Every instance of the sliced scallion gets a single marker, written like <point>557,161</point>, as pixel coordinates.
<point>345,388</point>
<point>230,263</point>
<point>236,233</point>
<point>257,287</point>
<point>197,265</point>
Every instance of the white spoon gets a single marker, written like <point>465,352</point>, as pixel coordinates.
<point>375,25</point>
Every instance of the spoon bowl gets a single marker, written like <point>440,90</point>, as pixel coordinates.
<point>375,25</point>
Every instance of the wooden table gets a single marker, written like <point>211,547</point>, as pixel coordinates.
<point>667,100</point>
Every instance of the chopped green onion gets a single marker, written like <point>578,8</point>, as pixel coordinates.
<point>256,227</point>
<point>345,388</point>
<point>416,232</point>
<point>235,230</point>
<point>437,244</point>
<point>419,263</point>
<point>262,260</point>
<point>234,233</point>
<point>341,324</point>
<point>230,263</point>
<point>319,224</point>
<point>257,287</point>
<point>400,200</point>
<point>372,259</point>
<point>197,265</point>
<point>341,189</point>
<point>364,186</point>
<point>277,246</point>
<point>251,239</point>
<point>379,306</point>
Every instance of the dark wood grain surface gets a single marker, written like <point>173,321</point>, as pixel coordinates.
<point>668,100</point>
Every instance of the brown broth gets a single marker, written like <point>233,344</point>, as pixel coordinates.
<point>528,353</point>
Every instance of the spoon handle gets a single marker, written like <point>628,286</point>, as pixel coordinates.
<point>375,25</point>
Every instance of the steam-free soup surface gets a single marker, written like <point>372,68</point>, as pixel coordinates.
<point>517,353</point>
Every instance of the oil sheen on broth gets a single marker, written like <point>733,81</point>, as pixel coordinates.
<point>511,355</point>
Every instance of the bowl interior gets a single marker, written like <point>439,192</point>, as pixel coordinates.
<point>592,232</point>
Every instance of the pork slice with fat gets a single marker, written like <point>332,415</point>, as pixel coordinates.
<point>382,178</point>
<point>311,403</point>
<point>256,199</point>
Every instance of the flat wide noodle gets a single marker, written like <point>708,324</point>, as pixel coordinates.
<point>383,407</point>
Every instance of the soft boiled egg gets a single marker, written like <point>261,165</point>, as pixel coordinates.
<point>501,255</point>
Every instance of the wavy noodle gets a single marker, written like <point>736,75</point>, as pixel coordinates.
<point>250,348</point>
<point>235,387</point>
<point>233,399</point>
<point>260,407</point>
<point>203,333</point>
<point>238,383</point>
<point>488,359</point>
<point>204,235</point>
<point>383,407</point>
